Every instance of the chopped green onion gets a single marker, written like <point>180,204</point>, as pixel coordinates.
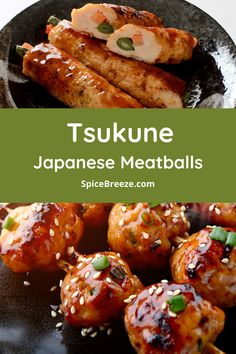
<point>53,20</point>
<point>8,223</point>
<point>147,218</point>
<point>231,239</point>
<point>105,28</point>
<point>219,234</point>
<point>21,51</point>
<point>133,238</point>
<point>118,272</point>
<point>177,303</point>
<point>125,44</point>
<point>101,263</point>
<point>200,345</point>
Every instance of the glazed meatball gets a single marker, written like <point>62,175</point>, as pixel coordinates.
<point>209,265</point>
<point>144,235</point>
<point>95,215</point>
<point>38,235</point>
<point>93,292</point>
<point>172,318</point>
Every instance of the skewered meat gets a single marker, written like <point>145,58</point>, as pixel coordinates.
<point>171,318</point>
<point>209,265</point>
<point>144,235</point>
<point>37,236</point>
<point>93,292</point>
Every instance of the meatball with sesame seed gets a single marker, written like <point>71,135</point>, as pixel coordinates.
<point>144,235</point>
<point>171,318</point>
<point>208,261</point>
<point>97,289</point>
<point>36,236</point>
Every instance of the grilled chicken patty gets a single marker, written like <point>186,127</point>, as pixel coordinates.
<point>71,82</point>
<point>150,85</point>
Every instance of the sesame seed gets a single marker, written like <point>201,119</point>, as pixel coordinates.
<point>25,216</point>
<point>182,214</point>
<point>123,208</point>
<point>66,302</point>
<point>175,220</point>
<point>172,314</point>
<point>70,250</point>
<point>186,234</point>
<point>121,262</point>
<point>59,324</point>
<point>89,330</point>
<point>225,260</point>
<point>127,301</point>
<point>80,265</point>
<point>73,310</point>
<point>121,222</point>
<point>108,280</point>
<point>202,245</point>
<point>145,235</point>
<point>167,212</point>
<point>53,288</point>
<point>180,240</point>
<point>74,280</point>
<point>164,281</point>
<point>67,287</point>
<point>182,208</point>
<point>26,283</point>
<point>191,266</point>
<point>94,334</point>
<point>217,211</point>
<point>58,255</point>
<point>177,292</point>
<point>33,208</point>
<point>180,245</point>
<point>170,292</point>
<point>60,311</point>
<point>211,207</point>
<point>171,205</point>
<point>151,291</point>
<point>53,314</point>
<point>87,274</point>
<point>109,331</point>
<point>83,333</point>
<point>154,287</point>
<point>132,296</point>
<point>60,283</point>
<point>76,293</point>
<point>67,236</point>
<point>158,242</point>
<point>81,300</point>
<point>118,254</point>
<point>51,232</point>
<point>159,291</point>
<point>164,306</point>
<point>56,222</point>
<point>188,224</point>
<point>97,275</point>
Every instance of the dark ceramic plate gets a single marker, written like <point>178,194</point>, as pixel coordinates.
<point>211,72</point>
<point>26,324</point>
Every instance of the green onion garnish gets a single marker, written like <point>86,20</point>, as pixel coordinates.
<point>133,239</point>
<point>147,218</point>
<point>101,263</point>
<point>105,28</point>
<point>177,303</point>
<point>53,20</point>
<point>231,239</point>
<point>21,51</point>
<point>8,223</point>
<point>125,44</point>
<point>200,345</point>
<point>219,234</point>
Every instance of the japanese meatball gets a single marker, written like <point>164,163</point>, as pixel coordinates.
<point>144,235</point>
<point>95,214</point>
<point>93,292</point>
<point>170,318</point>
<point>208,261</point>
<point>38,235</point>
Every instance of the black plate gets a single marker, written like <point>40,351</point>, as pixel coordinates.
<point>212,70</point>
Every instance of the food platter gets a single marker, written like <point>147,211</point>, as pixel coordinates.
<point>210,72</point>
<point>30,300</point>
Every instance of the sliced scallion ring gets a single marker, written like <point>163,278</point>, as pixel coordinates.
<point>8,223</point>
<point>177,303</point>
<point>231,239</point>
<point>105,28</point>
<point>125,44</point>
<point>101,263</point>
<point>219,234</point>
